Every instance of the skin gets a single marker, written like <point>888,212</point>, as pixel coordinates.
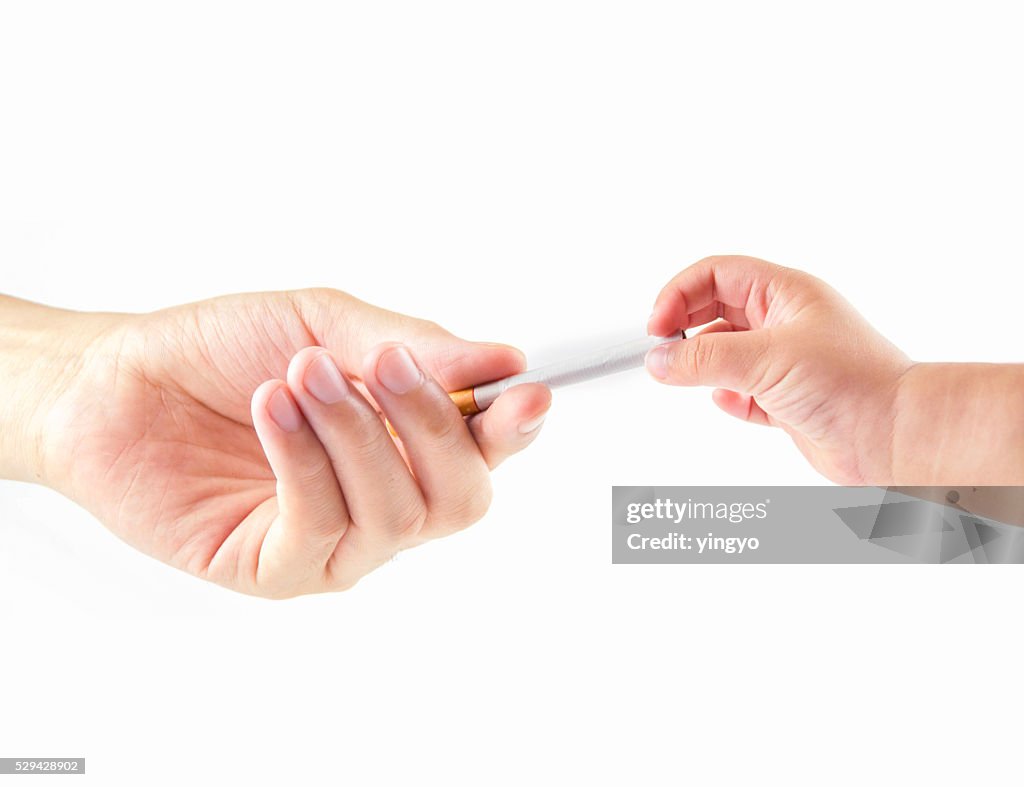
<point>784,349</point>
<point>168,426</point>
<point>163,426</point>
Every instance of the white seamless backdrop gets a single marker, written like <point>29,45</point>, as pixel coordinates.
<point>530,173</point>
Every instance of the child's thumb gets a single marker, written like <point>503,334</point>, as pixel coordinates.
<point>736,360</point>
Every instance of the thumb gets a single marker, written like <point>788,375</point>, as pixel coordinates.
<point>736,360</point>
<point>456,363</point>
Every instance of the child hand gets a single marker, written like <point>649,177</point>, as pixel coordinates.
<point>784,349</point>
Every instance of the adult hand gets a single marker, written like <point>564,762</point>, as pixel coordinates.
<point>242,439</point>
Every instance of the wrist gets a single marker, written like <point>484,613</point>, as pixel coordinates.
<point>959,424</point>
<point>41,351</point>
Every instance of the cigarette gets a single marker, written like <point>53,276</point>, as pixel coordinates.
<point>599,363</point>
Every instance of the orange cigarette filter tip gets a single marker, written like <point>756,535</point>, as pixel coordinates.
<point>465,402</point>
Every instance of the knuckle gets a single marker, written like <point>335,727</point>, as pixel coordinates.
<point>325,522</point>
<point>471,508</point>
<point>319,295</point>
<point>761,377</point>
<point>798,281</point>
<point>676,359</point>
<point>691,358</point>
<point>443,427</point>
<point>703,357</point>
<point>359,432</point>
<point>368,444</point>
<point>314,473</point>
<point>313,303</point>
<point>339,584</point>
<point>412,524</point>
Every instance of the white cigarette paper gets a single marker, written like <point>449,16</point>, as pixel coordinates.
<point>599,363</point>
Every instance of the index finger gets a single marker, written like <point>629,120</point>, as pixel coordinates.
<point>736,288</point>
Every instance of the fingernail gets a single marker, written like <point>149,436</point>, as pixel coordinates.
<point>283,411</point>
<point>657,362</point>
<point>397,371</point>
<point>324,380</point>
<point>532,425</point>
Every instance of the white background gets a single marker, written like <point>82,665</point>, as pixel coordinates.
<point>530,173</point>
